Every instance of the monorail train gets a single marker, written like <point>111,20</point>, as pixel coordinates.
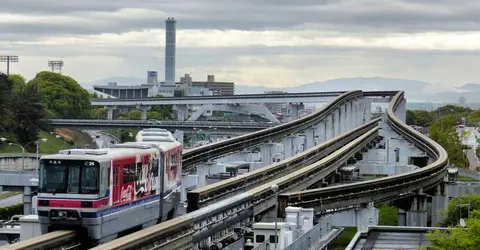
<point>107,192</point>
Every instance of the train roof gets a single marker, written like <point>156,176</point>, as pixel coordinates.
<point>104,154</point>
<point>161,138</point>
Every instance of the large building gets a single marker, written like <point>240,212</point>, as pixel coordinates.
<point>168,88</point>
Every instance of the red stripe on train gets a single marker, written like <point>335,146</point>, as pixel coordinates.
<point>73,203</point>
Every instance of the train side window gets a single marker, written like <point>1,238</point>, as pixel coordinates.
<point>131,172</point>
<point>125,173</point>
<point>138,171</point>
<point>272,239</point>
<point>155,167</point>
<point>259,238</point>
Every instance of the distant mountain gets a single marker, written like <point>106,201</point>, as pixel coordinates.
<point>414,90</point>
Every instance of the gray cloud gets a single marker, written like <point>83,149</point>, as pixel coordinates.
<point>94,17</point>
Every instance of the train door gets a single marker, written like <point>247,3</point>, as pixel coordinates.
<point>116,186</point>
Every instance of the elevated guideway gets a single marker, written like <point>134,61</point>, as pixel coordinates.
<point>219,221</point>
<point>218,149</point>
<point>393,187</point>
<point>206,195</point>
<point>172,125</point>
<point>315,97</point>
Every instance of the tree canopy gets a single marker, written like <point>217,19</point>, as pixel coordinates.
<point>443,131</point>
<point>20,109</point>
<point>62,96</point>
<point>452,215</point>
<point>457,237</point>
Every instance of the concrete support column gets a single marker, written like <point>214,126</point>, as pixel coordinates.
<point>203,170</point>
<point>294,108</point>
<point>368,110</point>
<point>350,116</point>
<point>366,217</point>
<point>401,111</point>
<point>267,152</point>
<point>310,138</point>
<point>360,113</point>
<point>182,112</point>
<point>288,146</point>
<point>27,200</point>
<point>144,110</point>
<point>402,217</point>
<point>417,215</point>
<point>110,110</point>
<point>345,118</point>
<point>336,122</point>
<point>439,203</point>
<point>320,133</point>
<point>329,132</point>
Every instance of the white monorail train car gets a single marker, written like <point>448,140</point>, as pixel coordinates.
<point>107,192</point>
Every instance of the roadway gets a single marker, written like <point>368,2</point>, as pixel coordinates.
<point>102,140</point>
<point>470,134</point>
<point>10,201</point>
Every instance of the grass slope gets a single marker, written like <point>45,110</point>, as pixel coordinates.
<point>52,145</point>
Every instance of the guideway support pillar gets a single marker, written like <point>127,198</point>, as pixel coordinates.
<point>294,109</point>
<point>110,110</point>
<point>417,215</point>
<point>182,112</point>
<point>144,110</point>
<point>439,203</point>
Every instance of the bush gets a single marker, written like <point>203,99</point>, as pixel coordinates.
<point>7,212</point>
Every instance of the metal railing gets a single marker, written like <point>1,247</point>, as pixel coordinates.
<point>306,240</point>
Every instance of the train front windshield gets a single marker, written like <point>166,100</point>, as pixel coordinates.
<point>69,177</point>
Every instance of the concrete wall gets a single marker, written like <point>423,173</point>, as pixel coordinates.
<point>13,162</point>
<point>384,160</point>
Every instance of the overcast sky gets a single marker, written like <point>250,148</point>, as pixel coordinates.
<point>272,43</point>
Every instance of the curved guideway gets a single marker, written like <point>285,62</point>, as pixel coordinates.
<point>381,189</point>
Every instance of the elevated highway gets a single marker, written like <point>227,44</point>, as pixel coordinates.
<point>187,126</point>
<point>316,97</point>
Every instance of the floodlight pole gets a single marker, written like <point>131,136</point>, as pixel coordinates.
<point>8,60</point>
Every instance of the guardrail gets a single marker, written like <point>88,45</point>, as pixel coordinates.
<point>206,195</point>
<point>54,240</point>
<point>176,124</point>
<point>215,97</point>
<point>383,188</point>
<point>214,150</point>
<point>257,96</point>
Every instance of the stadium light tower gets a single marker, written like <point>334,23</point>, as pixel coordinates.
<point>56,65</point>
<point>8,60</point>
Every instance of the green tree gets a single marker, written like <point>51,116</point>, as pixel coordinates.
<point>5,96</point>
<point>134,115</point>
<point>154,115</point>
<point>443,131</point>
<point>27,113</point>
<point>62,95</point>
<point>166,111</point>
<point>453,213</point>
<point>410,117</point>
<point>457,238</point>
<point>99,113</point>
<point>18,82</point>
<point>451,110</point>
<point>473,119</point>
